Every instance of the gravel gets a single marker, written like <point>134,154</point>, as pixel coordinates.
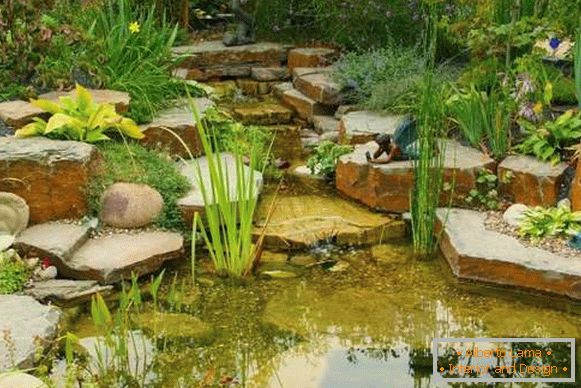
<point>557,245</point>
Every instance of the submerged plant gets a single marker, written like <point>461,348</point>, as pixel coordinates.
<point>79,119</point>
<point>324,160</point>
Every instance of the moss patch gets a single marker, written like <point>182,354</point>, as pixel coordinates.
<point>13,275</point>
<point>133,163</point>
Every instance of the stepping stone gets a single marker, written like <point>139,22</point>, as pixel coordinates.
<point>527,180</point>
<point>27,325</point>
<point>304,220</point>
<point>19,113</point>
<point>362,127</point>
<point>264,114</point>
<point>279,89</point>
<point>120,100</point>
<point>269,73</point>
<point>212,59</point>
<point>66,291</point>
<point>250,87</point>
<point>52,176</point>
<point>476,253</point>
<point>193,202</point>
<point>311,57</point>
<point>319,87</point>
<point>113,258</point>
<point>305,107</point>
<point>310,139</point>
<point>324,124</point>
<point>180,120</point>
<point>58,242</point>
<point>388,186</point>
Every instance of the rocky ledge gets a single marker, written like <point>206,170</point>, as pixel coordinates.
<point>476,253</point>
<point>388,186</point>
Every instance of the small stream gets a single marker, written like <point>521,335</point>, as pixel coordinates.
<point>370,325</point>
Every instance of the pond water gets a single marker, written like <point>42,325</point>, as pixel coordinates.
<point>370,325</point>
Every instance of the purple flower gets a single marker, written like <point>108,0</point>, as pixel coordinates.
<point>554,42</point>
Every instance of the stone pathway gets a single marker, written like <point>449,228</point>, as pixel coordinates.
<point>303,220</point>
<point>194,201</point>
<point>387,187</point>
<point>26,326</point>
<point>476,253</point>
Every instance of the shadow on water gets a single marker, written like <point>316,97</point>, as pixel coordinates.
<point>370,325</point>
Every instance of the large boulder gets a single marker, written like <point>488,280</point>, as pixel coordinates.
<point>14,214</point>
<point>388,186</point>
<point>527,180</point>
<point>51,176</point>
<point>26,326</point>
<point>130,205</point>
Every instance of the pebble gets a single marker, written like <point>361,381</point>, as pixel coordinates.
<point>48,273</point>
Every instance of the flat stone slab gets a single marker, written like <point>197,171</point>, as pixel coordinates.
<point>56,241</point>
<point>52,176</point>
<point>303,220</point>
<point>324,124</point>
<point>532,182</point>
<point>279,89</point>
<point>311,57</point>
<point>388,186</point>
<point>269,73</point>
<point>475,253</point>
<point>264,114</point>
<point>113,258</point>
<point>120,100</point>
<point>21,380</point>
<point>193,202</point>
<point>305,107</point>
<point>180,120</point>
<point>28,325</point>
<point>320,87</point>
<point>362,126</point>
<point>19,113</point>
<point>64,290</point>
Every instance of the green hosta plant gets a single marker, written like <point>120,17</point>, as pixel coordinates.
<point>551,139</point>
<point>79,119</point>
<point>539,223</point>
<point>325,158</point>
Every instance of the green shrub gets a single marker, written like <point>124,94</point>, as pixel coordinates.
<point>485,194</point>
<point>539,223</point>
<point>133,163</point>
<point>325,158</point>
<point>13,276</point>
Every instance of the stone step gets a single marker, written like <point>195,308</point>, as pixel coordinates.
<point>303,220</point>
<point>362,126</point>
<point>180,120</point>
<point>193,202</point>
<point>251,87</point>
<point>527,180</point>
<point>113,258</point>
<point>325,124</point>
<point>311,57</point>
<point>120,100</point>
<point>388,186</point>
<point>319,86</point>
<point>476,253</point>
<point>17,114</point>
<point>269,74</point>
<point>51,175</point>
<point>212,59</point>
<point>27,324</point>
<point>305,107</point>
<point>66,291</point>
<point>279,89</point>
<point>264,114</point>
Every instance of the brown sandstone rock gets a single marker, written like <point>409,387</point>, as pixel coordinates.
<point>270,73</point>
<point>576,190</point>
<point>51,176</point>
<point>19,113</point>
<point>527,180</point>
<point>264,114</point>
<point>311,57</point>
<point>305,107</point>
<point>388,186</point>
<point>319,87</point>
<point>130,205</point>
<point>362,126</point>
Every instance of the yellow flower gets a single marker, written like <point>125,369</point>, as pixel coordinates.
<point>134,27</point>
<point>538,108</point>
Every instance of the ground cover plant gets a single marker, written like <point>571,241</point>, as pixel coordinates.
<point>539,223</point>
<point>325,157</point>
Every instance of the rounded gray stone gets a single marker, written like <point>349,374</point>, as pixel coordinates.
<point>14,214</point>
<point>514,215</point>
<point>130,205</point>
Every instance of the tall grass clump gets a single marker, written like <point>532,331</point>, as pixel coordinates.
<point>429,167</point>
<point>227,223</point>
<point>136,44</point>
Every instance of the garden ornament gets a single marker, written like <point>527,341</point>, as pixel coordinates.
<point>245,31</point>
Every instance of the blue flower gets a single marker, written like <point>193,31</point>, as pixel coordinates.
<point>554,42</point>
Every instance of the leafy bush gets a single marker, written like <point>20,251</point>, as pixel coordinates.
<point>325,158</point>
<point>79,119</point>
<point>551,140</point>
<point>485,194</point>
<point>13,274</point>
<point>135,164</point>
<point>539,223</point>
